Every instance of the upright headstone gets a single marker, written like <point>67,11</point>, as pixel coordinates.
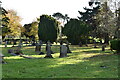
<point>20,44</point>
<point>95,46</point>
<point>63,51</point>
<point>37,48</point>
<point>5,43</point>
<point>103,47</point>
<point>40,45</point>
<point>68,49</point>
<point>80,44</point>
<point>48,50</point>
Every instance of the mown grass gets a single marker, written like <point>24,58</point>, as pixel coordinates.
<point>83,62</point>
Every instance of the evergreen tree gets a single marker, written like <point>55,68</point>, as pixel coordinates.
<point>75,31</point>
<point>47,29</point>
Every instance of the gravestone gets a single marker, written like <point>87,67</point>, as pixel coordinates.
<point>63,51</point>
<point>5,43</point>
<point>20,44</point>
<point>18,51</point>
<point>11,51</point>
<point>40,44</point>
<point>13,43</point>
<point>15,52</point>
<point>95,46</point>
<point>103,47</point>
<point>48,50</point>
<point>68,49</point>
<point>37,48</point>
<point>80,44</point>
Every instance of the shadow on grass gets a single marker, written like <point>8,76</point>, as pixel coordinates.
<point>100,55</point>
<point>96,51</point>
<point>73,66</point>
<point>85,47</point>
<point>61,68</point>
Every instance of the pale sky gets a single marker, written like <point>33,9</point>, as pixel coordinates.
<point>28,10</point>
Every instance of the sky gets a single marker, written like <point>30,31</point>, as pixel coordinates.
<point>29,10</point>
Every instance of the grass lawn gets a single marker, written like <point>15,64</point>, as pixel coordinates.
<point>84,62</point>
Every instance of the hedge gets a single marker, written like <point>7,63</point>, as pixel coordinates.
<point>115,45</point>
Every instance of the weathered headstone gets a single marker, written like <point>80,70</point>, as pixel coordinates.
<point>33,43</point>
<point>5,43</point>
<point>15,52</point>
<point>68,49</point>
<point>40,44</point>
<point>11,51</point>
<point>48,49</point>
<point>20,44</point>
<point>18,51</point>
<point>80,44</point>
<point>13,42</point>
<point>95,46</point>
<point>103,47</point>
<point>63,51</point>
<point>37,48</point>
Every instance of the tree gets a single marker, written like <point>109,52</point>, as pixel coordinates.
<point>89,17</point>
<point>106,27</point>
<point>58,15</point>
<point>75,31</point>
<point>119,23</point>
<point>47,32</point>
<point>100,19</point>
<point>31,30</point>
<point>47,29</point>
<point>5,22</point>
<point>61,18</point>
<point>115,7</point>
<point>14,23</point>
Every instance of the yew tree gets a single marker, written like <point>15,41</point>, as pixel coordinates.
<point>75,30</point>
<point>47,28</point>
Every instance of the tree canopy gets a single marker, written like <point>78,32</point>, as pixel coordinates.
<point>14,23</point>
<point>75,30</point>
<point>47,29</point>
<point>31,30</point>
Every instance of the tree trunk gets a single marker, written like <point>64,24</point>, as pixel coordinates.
<point>63,51</point>
<point>40,45</point>
<point>48,49</point>
<point>38,48</point>
<point>106,39</point>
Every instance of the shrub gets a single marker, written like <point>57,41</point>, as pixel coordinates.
<point>115,45</point>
